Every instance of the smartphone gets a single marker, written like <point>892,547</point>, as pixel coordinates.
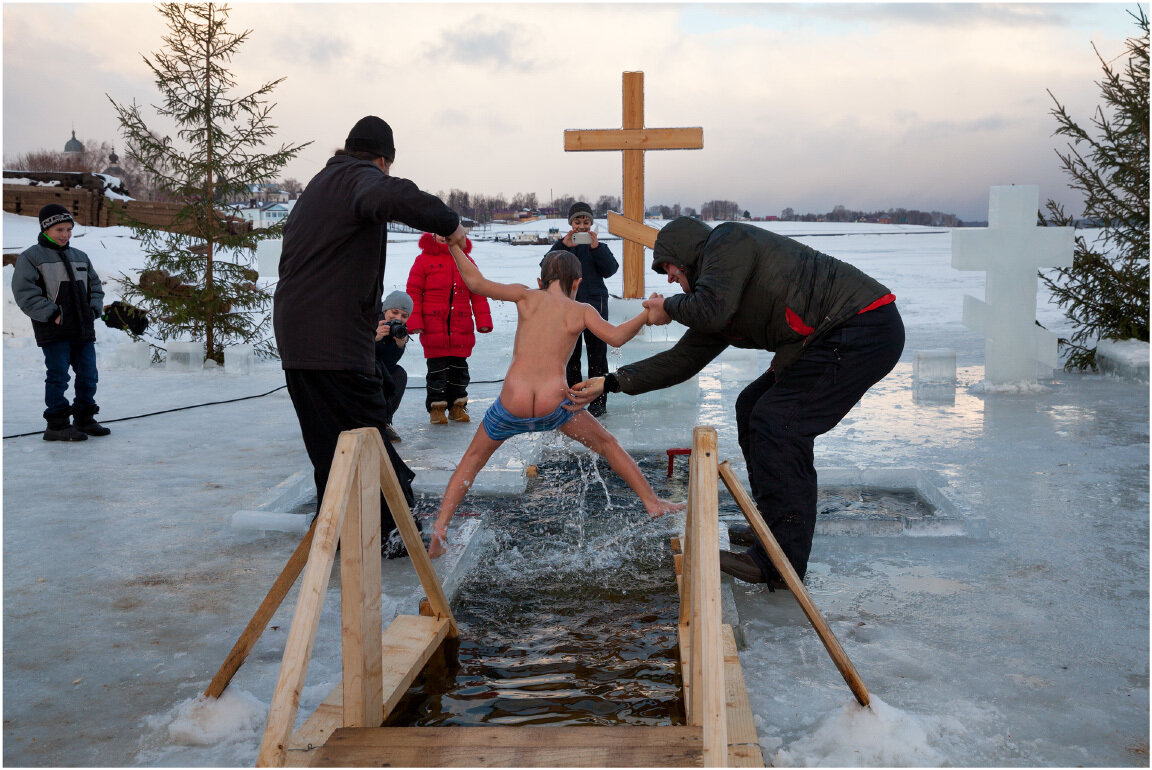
<point>584,238</point>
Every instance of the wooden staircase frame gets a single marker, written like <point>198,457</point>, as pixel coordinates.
<point>379,668</point>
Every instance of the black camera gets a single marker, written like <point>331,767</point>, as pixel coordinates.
<point>397,328</point>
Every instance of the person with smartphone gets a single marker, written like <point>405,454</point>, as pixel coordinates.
<point>596,264</point>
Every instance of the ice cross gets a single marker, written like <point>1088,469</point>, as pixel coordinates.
<point>633,139</point>
<point>1012,248</point>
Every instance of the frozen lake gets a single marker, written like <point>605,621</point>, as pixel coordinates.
<point>1018,638</point>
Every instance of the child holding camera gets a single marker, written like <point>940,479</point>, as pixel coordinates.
<point>391,337</point>
<point>443,310</point>
<point>596,264</point>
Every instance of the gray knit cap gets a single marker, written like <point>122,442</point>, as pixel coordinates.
<point>397,300</point>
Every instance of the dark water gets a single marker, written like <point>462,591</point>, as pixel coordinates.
<point>572,619</point>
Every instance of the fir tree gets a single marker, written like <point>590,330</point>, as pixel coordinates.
<point>1105,292</point>
<point>199,280</point>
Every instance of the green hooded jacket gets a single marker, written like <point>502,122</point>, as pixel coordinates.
<point>749,288</point>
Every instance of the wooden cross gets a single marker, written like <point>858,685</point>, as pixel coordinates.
<point>633,139</point>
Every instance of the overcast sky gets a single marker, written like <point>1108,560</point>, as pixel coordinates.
<point>807,106</point>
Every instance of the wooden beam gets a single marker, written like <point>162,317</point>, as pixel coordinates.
<point>360,587</point>
<point>637,232</point>
<point>706,621</point>
<point>509,746</point>
<point>743,741</point>
<point>402,515</point>
<point>251,634</point>
<point>314,585</point>
<point>780,561</point>
<point>633,118</point>
<point>603,139</point>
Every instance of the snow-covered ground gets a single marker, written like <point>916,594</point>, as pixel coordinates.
<point>1021,640</point>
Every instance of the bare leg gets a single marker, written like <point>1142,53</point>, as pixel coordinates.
<point>584,428</point>
<point>475,457</point>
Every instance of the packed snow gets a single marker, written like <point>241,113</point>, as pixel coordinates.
<point>1019,638</point>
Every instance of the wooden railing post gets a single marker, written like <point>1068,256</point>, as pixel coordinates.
<point>707,645</point>
<point>360,588</point>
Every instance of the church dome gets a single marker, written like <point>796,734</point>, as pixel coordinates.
<point>73,145</point>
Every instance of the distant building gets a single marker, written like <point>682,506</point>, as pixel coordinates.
<point>114,168</point>
<point>73,148</point>
<point>263,215</point>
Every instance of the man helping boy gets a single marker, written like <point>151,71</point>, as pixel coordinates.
<point>534,396</point>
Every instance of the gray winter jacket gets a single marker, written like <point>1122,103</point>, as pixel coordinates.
<point>749,288</point>
<point>50,282</point>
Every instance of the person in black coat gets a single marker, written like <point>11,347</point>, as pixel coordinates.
<point>596,264</point>
<point>326,308</point>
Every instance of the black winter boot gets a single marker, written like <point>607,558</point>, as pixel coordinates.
<point>85,421</point>
<point>60,430</point>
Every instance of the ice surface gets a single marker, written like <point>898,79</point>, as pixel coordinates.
<point>934,366</point>
<point>1123,358</point>
<point>1011,250</point>
<point>1024,646</point>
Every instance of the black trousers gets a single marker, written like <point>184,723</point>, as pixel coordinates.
<point>777,423</point>
<point>447,380</point>
<point>597,357</point>
<point>330,402</point>
<point>394,384</point>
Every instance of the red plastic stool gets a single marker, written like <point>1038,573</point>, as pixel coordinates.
<point>672,453</point>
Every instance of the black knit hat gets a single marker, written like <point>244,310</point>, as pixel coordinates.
<point>580,208</point>
<point>54,214</point>
<point>373,135</point>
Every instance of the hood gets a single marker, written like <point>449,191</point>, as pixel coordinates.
<point>680,242</point>
<point>429,245</point>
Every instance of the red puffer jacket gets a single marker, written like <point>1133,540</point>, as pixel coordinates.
<point>442,306</point>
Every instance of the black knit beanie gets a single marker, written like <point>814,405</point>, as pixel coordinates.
<point>372,135</point>
<point>579,208</point>
<point>54,214</point>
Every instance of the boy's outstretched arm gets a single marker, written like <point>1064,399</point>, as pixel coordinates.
<point>478,284</point>
<point>614,335</point>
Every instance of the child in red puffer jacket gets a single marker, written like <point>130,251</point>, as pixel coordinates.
<point>442,314</point>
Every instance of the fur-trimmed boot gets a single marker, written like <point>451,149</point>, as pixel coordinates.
<point>436,412</point>
<point>59,429</point>
<point>459,410</point>
<point>84,418</point>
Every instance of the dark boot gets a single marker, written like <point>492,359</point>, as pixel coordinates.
<point>85,421</point>
<point>59,429</point>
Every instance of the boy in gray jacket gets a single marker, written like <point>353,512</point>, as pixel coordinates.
<point>55,285</point>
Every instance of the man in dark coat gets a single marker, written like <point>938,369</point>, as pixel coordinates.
<point>835,331</point>
<point>327,301</point>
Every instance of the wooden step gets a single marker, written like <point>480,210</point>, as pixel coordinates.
<point>506,746</point>
<point>407,644</point>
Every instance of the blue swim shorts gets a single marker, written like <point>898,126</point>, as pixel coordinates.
<point>500,424</point>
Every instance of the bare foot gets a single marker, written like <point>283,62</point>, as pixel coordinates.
<point>662,506</point>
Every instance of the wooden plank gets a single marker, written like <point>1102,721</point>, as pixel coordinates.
<point>600,139</point>
<point>407,645</point>
<point>360,582</point>
<point>707,652</point>
<point>402,515</point>
<point>743,741</point>
<point>302,633</point>
<point>631,231</point>
<point>633,203</point>
<point>780,561</point>
<point>506,746</point>
<point>248,638</point>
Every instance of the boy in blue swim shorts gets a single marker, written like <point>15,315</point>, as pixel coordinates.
<point>535,396</point>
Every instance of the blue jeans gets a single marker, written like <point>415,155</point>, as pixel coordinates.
<point>58,356</point>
